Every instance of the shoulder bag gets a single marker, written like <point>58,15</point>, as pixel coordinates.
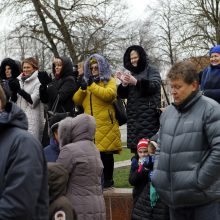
<point>120,110</point>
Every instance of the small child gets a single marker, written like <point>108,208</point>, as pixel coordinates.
<point>52,151</point>
<point>146,202</point>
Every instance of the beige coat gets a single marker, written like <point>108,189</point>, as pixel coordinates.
<point>81,158</point>
<point>35,111</point>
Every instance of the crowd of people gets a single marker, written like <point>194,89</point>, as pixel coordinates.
<point>59,134</point>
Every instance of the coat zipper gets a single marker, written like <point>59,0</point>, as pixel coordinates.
<point>171,180</point>
<point>90,99</point>
<point>91,104</point>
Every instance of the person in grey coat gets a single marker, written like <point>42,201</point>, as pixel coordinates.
<point>23,169</point>
<point>186,172</point>
<point>81,158</point>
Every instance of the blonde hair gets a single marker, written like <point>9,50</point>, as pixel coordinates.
<point>57,61</point>
<point>80,64</point>
<point>32,61</point>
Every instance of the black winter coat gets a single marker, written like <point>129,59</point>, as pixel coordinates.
<point>143,100</point>
<point>142,209</point>
<point>64,87</point>
<point>23,170</point>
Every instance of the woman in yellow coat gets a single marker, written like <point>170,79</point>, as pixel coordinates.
<point>96,94</point>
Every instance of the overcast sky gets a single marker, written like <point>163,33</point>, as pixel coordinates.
<point>137,7</point>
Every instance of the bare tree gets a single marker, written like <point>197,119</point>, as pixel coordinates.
<point>166,31</point>
<point>200,22</point>
<point>76,27</point>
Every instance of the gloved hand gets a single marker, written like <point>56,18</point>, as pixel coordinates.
<point>44,78</point>
<point>14,85</point>
<point>96,79</point>
<point>91,80</point>
<point>149,164</point>
<point>144,160</point>
<point>83,84</point>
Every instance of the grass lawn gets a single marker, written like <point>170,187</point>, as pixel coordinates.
<point>124,155</point>
<point>121,174</point>
<point>121,177</point>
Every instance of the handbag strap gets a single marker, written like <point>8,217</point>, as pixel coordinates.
<point>54,107</point>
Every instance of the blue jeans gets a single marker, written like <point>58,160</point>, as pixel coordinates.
<point>204,212</point>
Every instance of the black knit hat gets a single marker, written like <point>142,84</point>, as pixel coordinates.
<point>55,119</point>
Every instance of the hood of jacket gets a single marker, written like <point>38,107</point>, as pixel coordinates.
<point>14,65</point>
<point>71,130</point>
<point>57,179</point>
<point>15,117</point>
<point>67,68</point>
<point>142,62</point>
<point>104,69</point>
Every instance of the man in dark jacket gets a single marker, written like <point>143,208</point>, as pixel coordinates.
<point>23,171</point>
<point>186,175</point>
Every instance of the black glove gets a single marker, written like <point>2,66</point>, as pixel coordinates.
<point>83,84</point>
<point>43,93</point>
<point>44,78</point>
<point>25,95</point>
<point>149,164</point>
<point>14,85</point>
<point>14,97</point>
<point>91,80</point>
<point>96,79</point>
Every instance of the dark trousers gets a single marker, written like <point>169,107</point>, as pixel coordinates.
<point>108,163</point>
<point>204,212</point>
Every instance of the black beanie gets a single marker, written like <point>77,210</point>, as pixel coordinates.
<point>53,121</point>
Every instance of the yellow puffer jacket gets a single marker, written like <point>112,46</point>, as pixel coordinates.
<point>97,101</point>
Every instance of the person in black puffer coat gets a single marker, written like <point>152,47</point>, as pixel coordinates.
<point>63,86</point>
<point>141,88</point>
<point>10,69</point>
<point>146,202</point>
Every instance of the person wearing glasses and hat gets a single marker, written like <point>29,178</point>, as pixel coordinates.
<point>96,94</point>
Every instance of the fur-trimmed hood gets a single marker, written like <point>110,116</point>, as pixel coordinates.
<point>104,70</point>
<point>71,130</point>
<point>14,65</point>
<point>142,62</point>
<point>67,68</point>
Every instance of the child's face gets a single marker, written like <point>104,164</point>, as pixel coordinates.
<point>143,152</point>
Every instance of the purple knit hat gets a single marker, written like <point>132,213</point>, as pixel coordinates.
<point>215,49</point>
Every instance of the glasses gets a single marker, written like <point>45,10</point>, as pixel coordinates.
<point>94,68</point>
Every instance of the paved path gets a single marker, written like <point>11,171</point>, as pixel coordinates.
<point>122,163</point>
<point>123,130</point>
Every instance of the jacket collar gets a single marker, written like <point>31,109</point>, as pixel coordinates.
<point>188,102</point>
